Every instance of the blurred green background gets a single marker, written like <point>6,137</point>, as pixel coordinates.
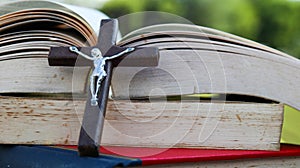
<point>271,22</point>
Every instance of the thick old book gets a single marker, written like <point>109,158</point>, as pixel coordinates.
<point>151,107</point>
<point>188,124</point>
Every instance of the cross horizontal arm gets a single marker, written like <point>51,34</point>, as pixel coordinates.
<point>141,57</point>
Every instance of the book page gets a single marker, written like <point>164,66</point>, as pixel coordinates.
<point>91,16</point>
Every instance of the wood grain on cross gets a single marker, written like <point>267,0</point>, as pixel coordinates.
<point>93,119</point>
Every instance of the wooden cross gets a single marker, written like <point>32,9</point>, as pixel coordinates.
<point>105,55</point>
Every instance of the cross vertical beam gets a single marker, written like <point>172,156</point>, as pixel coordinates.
<point>90,134</point>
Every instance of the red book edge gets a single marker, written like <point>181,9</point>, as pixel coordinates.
<point>152,156</point>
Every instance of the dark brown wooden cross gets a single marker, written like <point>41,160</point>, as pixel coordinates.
<point>108,55</point>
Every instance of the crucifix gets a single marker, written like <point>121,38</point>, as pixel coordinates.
<point>103,57</point>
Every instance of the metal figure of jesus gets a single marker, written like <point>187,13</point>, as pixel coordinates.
<point>98,73</point>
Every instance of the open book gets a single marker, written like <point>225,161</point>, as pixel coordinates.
<point>167,110</point>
